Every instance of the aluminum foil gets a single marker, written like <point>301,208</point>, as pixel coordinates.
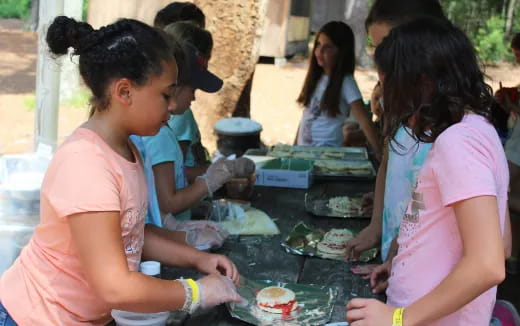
<point>315,304</point>
<point>303,240</point>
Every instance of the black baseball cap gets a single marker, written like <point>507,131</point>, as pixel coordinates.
<point>199,75</point>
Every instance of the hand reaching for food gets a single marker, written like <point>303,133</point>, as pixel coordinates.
<point>217,289</point>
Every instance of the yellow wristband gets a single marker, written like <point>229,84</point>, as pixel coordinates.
<point>194,288</point>
<point>397,319</point>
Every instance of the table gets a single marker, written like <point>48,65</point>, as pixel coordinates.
<point>262,257</point>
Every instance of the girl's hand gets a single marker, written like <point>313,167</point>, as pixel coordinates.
<point>368,238</point>
<point>369,312</point>
<point>379,277</point>
<point>367,203</point>
<point>217,264</point>
<point>217,289</point>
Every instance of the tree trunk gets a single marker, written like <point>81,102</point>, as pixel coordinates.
<point>355,13</point>
<point>235,26</point>
<point>102,12</point>
<point>32,22</point>
<point>504,8</point>
<point>510,16</point>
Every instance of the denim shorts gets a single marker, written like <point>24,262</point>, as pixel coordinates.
<point>5,319</point>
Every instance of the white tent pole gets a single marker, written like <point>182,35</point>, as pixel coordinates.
<point>69,80</point>
<point>47,79</point>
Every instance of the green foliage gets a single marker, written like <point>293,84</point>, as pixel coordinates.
<point>14,8</point>
<point>484,22</point>
<point>80,100</point>
<point>29,102</point>
<point>490,41</point>
<point>84,10</point>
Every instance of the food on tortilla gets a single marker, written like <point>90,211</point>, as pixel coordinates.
<point>344,204</point>
<point>343,167</point>
<point>276,300</point>
<point>304,155</point>
<point>253,222</point>
<point>335,241</point>
<point>281,150</point>
<point>337,155</point>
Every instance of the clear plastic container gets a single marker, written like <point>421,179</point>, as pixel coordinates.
<point>150,268</point>
<point>21,177</point>
<point>126,318</point>
<point>13,237</point>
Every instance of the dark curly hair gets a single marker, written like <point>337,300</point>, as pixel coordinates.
<point>125,49</point>
<point>343,38</point>
<point>432,75</point>
<point>179,11</point>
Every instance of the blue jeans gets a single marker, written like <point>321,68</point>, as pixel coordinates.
<point>5,319</point>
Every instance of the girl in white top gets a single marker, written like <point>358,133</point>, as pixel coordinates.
<point>330,93</point>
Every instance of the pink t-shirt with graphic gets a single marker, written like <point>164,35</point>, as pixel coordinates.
<point>467,160</point>
<point>46,284</point>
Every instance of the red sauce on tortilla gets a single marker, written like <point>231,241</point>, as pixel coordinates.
<point>285,307</point>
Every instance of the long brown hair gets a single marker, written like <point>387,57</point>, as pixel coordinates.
<point>432,74</point>
<point>343,38</point>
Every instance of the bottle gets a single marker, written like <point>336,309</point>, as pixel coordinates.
<point>151,268</point>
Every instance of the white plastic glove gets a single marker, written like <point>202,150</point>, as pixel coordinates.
<point>224,170</point>
<point>216,289</point>
<point>203,234</point>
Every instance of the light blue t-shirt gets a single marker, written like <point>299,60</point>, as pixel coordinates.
<point>318,128</point>
<point>162,148</point>
<point>153,215</point>
<point>186,128</point>
<point>404,164</point>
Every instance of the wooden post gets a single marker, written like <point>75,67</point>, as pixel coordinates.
<point>47,79</point>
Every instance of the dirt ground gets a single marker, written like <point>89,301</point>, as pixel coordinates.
<point>273,97</point>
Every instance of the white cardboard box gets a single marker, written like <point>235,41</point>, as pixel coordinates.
<point>285,173</point>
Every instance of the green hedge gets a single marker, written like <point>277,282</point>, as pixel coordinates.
<point>15,8</point>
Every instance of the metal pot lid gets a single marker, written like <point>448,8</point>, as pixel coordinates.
<point>237,126</point>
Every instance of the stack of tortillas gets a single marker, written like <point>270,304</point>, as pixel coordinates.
<point>332,166</point>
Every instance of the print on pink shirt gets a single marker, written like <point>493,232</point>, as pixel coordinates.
<point>415,206</point>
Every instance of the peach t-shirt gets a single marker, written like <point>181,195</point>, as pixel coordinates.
<point>46,284</point>
<point>466,161</point>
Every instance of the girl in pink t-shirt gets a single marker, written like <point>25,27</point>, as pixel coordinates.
<point>452,239</point>
<point>83,258</point>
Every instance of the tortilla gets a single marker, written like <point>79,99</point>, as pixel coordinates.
<point>336,155</point>
<point>334,242</point>
<point>343,167</point>
<point>277,300</point>
<point>344,204</point>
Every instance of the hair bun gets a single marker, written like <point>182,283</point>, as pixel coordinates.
<point>65,32</point>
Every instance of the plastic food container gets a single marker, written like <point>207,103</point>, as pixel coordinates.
<point>240,188</point>
<point>127,318</point>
